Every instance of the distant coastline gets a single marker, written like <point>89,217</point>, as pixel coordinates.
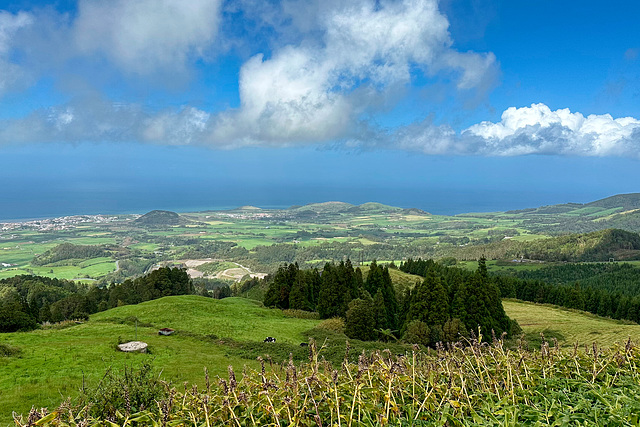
<point>23,208</point>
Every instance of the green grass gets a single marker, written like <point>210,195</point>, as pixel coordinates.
<point>95,268</point>
<point>237,318</point>
<point>569,326</point>
<point>53,362</point>
<point>214,267</point>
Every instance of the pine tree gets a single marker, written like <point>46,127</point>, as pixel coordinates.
<point>380,309</point>
<point>430,302</point>
<point>329,297</point>
<point>298,297</point>
<point>374,279</point>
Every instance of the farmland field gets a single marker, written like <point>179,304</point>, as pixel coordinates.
<point>309,235</point>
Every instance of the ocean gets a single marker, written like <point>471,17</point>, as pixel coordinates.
<point>52,202</point>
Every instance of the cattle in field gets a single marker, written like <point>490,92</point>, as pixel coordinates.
<point>269,339</point>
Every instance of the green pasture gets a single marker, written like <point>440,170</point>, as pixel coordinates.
<point>96,267</point>
<point>569,326</point>
<point>150,247</point>
<point>251,243</point>
<point>605,213</point>
<point>235,318</point>
<point>53,363</point>
<point>88,240</point>
<point>529,237</point>
<point>501,266</point>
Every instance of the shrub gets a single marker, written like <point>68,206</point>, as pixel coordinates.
<point>301,314</point>
<point>453,330</point>
<point>127,391</point>
<point>417,333</point>
<point>335,324</point>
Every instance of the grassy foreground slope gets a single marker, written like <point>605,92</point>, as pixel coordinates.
<point>52,363</point>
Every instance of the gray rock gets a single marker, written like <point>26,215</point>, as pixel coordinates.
<point>133,346</point>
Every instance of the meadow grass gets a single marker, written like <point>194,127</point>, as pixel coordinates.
<point>53,362</point>
<point>569,326</point>
<point>237,318</point>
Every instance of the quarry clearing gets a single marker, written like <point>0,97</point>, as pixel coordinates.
<point>236,273</point>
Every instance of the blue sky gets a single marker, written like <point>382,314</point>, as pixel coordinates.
<point>448,106</point>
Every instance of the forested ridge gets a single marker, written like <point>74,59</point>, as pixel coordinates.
<point>67,251</point>
<point>605,289</point>
<point>595,246</point>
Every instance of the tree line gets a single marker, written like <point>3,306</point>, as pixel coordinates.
<point>447,304</point>
<point>600,301</point>
<point>26,301</point>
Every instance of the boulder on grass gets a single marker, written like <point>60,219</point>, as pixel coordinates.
<point>133,346</point>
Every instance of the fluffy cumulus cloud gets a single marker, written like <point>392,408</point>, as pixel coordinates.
<point>539,130</point>
<point>315,90</point>
<point>132,38</point>
<point>529,130</point>
<point>331,70</point>
<point>144,35</point>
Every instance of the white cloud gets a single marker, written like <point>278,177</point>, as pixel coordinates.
<point>11,73</point>
<point>539,130</point>
<point>144,35</point>
<point>521,131</point>
<point>359,52</point>
<point>97,120</point>
<point>527,130</point>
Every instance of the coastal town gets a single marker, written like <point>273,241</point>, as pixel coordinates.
<point>58,224</point>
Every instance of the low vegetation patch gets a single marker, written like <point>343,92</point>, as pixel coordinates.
<point>7,350</point>
<point>466,384</point>
<point>60,325</point>
<point>301,314</point>
<point>335,324</point>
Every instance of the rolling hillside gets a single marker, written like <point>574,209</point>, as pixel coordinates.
<point>159,218</point>
<point>54,362</point>
<point>601,245</point>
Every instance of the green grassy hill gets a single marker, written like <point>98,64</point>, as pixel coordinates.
<point>626,201</point>
<point>325,207</point>
<point>53,363</point>
<point>210,333</point>
<point>159,218</point>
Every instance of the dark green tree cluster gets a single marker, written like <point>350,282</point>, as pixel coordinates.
<point>451,301</point>
<point>600,301</point>
<point>376,313</point>
<point>328,292</point>
<point>369,306</point>
<point>26,301</point>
